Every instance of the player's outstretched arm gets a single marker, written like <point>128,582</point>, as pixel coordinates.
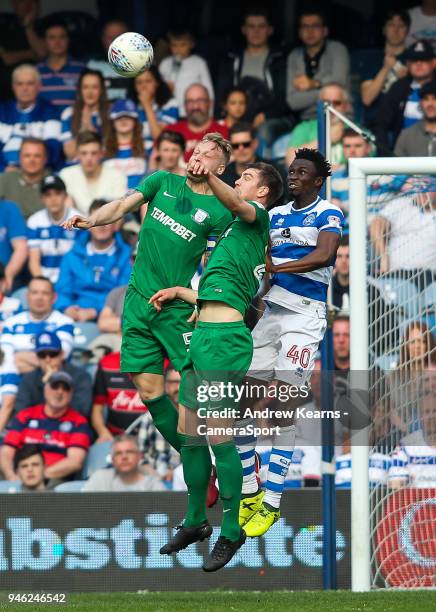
<point>321,256</point>
<point>173,293</point>
<point>225,194</point>
<point>109,213</point>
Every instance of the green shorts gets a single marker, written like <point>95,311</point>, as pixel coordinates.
<point>218,359</point>
<point>149,336</point>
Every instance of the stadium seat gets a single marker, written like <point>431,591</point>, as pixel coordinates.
<point>387,362</point>
<point>402,293</point>
<point>73,486</point>
<point>279,147</point>
<point>429,298</point>
<point>10,486</point>
<point>99,457</point>
<point>84,333</point>
<point>21,295</point>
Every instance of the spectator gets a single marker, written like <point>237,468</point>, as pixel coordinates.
<point>260,71</point>
<point>51,358</point>
<point>125,475</point>
<point>379,467</point>
<point>172,384</point>
<point>20,41</point>
<point>89,113</point>
<point>48,241</point>
<point>109,320</point>
<point>341,343</point>
<point>59,72</point>
<point>168,153</point>
<point>61,433</point>
<point>341,277</point>
<point>414,460</point>
<point>318,62</point>
<point>183,68</point>
<point>27,115</point>
<point>156,106</point>
<point>8,305</point>
<point>98,262</point>
<point>388,67</point>
<point>420,138</point>
<point>115,391</point>
<point>29,466</point>
<point>116,86</point>
<point>395,230</point>
<point>198,121</point>
<point>91,179</point>
<point>417,356</point>
<point>423,23</point>
<point>244,145</point>
<point>234,107</point>
<point>13,243</point>
<point>22,185</point>
<point>305,134</point>
<point>18,340</point>
<point>125,144</point>
<point>399,108</point>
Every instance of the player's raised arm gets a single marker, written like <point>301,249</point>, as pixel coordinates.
<point>109,213</point>
<point>228,196</point>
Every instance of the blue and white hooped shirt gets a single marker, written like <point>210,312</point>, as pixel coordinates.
<point>294,234</point>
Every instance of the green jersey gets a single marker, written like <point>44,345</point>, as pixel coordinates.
<point>237,264</point>
<point>178,228</point>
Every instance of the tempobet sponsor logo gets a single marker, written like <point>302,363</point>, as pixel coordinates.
<point>173,225</point>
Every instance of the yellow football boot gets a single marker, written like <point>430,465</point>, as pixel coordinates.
<point>249,506</point>
<point>260,522</point>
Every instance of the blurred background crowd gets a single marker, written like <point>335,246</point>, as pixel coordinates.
<point>74,135</point>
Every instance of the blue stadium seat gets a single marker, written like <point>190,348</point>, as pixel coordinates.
<point>429,298</point>
<point>280,146</point>
<point>10,486</point>
<point>73,486</point>
<point>84,333</point>
<point>99,456</point>
<point>401,293</point>
<point>387,362</point>
<point>21,295</point>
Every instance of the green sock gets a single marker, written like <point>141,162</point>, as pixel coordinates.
<point>197,466</point>
<point>165,419</point>
<point>229,473</point>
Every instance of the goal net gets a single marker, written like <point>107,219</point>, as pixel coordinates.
<point>399,268</point>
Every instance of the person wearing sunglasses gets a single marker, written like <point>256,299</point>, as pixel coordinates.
<point>61,433</point>
<point>244,145</point>
<point>51,359</point>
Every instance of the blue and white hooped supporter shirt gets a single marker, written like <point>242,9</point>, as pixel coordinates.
<point>52,240</point>
<point>294,234</point>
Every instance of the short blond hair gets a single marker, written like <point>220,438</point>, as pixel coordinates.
<point>26,68</point>
<point>223,145</point>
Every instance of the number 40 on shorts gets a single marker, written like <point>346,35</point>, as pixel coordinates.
<point>299,355</point>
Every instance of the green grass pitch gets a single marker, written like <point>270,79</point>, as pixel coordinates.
<point>247,601</point>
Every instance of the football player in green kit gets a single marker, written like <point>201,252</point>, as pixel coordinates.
<point>182,221</point>
<point>219,356</point>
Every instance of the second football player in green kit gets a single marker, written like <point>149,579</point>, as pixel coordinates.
<point>219,356</point>
<point>183,220</point>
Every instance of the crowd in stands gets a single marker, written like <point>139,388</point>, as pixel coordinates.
<point>74,135</point>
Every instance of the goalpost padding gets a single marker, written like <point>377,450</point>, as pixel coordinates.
<point>359,169</point>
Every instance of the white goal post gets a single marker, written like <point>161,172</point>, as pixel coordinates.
<point>359,169</point>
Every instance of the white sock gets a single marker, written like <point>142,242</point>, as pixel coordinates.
<point>279,462</point>
<point>245,445</point>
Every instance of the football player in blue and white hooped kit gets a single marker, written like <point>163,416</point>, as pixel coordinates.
<point>305,235</point>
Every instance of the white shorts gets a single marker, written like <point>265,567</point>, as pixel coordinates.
<point>285,343</point>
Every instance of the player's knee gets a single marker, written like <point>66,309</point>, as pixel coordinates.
<point>149,387</point>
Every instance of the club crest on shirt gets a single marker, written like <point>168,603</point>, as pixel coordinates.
<point>200,216</point>
<point>66,426</point>
<point>33,423</point>
<point>310,219</point>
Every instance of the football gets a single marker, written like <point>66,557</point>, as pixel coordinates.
<point>130,54</point>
